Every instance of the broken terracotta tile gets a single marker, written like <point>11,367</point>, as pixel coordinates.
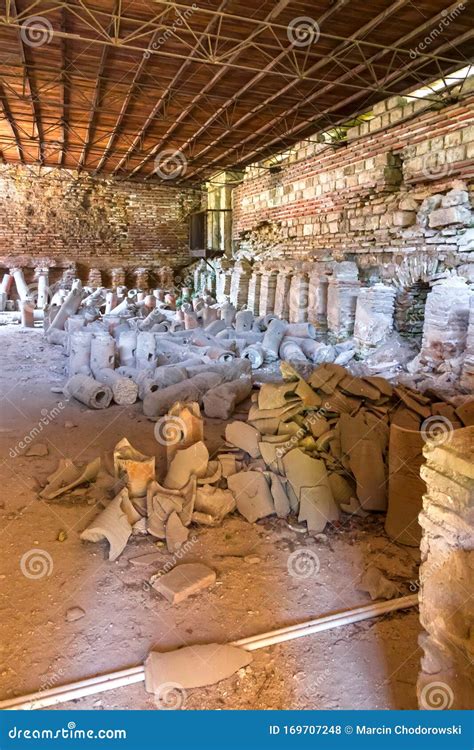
<point>185,417</point>
<point>381,384</point>
<point>465,412</point>
<point>193,666</point>
<point>137,468</point>
<point>186,462</point>
<point>113,524</point>
<point>176,533</point>
<point>341,489</point>
<point>280,498</point>
<point>359,387</point>
<point>227,462</point>
<point>413,403</point>
<point>354,508</point>
<point>214,502</point>
<point>252,495</point>
<point>183,581</point>
<point>150,558</point>
<point>243,436</point>
<point>303,471</point>
<point>273,395</point>
<point>67,476</point>
<point>215,473</point>
<point>317,507</point>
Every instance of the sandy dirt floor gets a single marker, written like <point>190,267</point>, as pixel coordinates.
<point>369,665</point>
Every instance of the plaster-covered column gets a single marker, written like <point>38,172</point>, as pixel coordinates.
<point>118,277</point>
<point>267,291</point>
<point>299,290</point>
<point>255,281</point>
<point>446,322</point>
<point>467,377</point>
<point>42,282</point>
<point>282,293</point>
<point>446,679</point>
<point>239,288</point>
<point>343,291</point>
<point>374,316</point>
<point>318,300</point>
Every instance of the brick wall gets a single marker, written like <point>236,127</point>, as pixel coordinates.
<point>61,217</point>
<point>361,199</point>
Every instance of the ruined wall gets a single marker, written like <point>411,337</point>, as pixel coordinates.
<point>63,217</point>
<point>446,679</point>
<point>368,200</point>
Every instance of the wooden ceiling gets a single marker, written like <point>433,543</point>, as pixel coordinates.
<point>178,90</point>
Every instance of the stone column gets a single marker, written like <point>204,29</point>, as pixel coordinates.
<point>239,288</point>
<point>282,294</point>
<point>343,291</point>
<point>42,281</point>
<point>118,277</point>
<point>94,277</point>
<point>267,291</point>
<point>374,316</point>
<point>299,290</point>
<point>318,300</point>
<point>446,322</point>
<point>142,280</point>
<point>253,301</point>
<point>446,679</point>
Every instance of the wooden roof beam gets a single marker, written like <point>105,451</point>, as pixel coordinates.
<point>7,113</point>
<point>29,84</point>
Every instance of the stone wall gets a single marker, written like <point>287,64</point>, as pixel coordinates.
<point>368,199</point>
<point>446,604</point>
<point>61,218</point>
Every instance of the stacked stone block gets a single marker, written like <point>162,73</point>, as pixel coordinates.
<point>446,679</point>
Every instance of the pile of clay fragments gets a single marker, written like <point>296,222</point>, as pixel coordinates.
<point>311,449</point>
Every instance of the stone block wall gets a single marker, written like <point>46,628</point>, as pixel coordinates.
<point>60,219</point>
<point>446,679</point>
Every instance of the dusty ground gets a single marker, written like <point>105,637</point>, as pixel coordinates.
<point>369,665</point>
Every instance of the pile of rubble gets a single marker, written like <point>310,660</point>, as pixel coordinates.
<point>310,448</point>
